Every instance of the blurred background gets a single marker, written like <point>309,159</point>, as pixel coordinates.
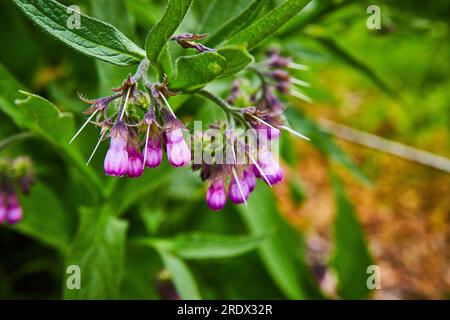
<point>392,83</point>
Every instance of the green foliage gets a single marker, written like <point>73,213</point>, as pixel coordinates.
<point>94,38</point>
<point>264,27</point>
<point>351,256</point>
<point>196,71</point>
<point>164,29</point>
<point>98,250</point>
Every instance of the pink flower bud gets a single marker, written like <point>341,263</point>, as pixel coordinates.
<point>216,197</point>
<point>178,151</point>
<point>13,210</point>
<point>116,160</point>
<point>135,162</point>
<point>270,168</point>
<point>250,179</point>
<point>154,152</point>
<point>238,195</point>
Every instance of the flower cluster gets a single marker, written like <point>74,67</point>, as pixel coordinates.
<point>15,175</point>
<point>140,125</point>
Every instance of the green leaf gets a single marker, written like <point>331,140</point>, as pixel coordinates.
<point>237,58</point>
<point>264,27</point>
<point>282,254</point>
<point>182,277</point>
<point>360,66</point>
<point>323,142</point>
<point>114,12</point>
<point>193,72</point>
<point>9,92</point>
<point>94,38</point>
<point>238,23</point>
<point>205,245</point>
<point>41,117</point>
<point>351,256</point>
<point>165,28</point>
<point>98,250</point>
<point>44,218</point>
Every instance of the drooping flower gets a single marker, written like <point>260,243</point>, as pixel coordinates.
<point>116,160</point>
<point>238,191</point>
<point>154,152</point>
<point>270,168</point>
<point>216,196</point>
<point>135,162</point>
<point>13,208</point>
<point>250,178</point>
<point>178,151</point>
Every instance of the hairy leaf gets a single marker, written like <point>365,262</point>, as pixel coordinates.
<point>253,11</point>
<point>193,72</point>
<point>264,27</point>
<point>92,37</point>
<point>165,28</point>
<point>98,250</point>
<point>237,58</point>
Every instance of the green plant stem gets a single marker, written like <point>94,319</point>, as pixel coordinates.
<point>15,139</point>
<point>229,110</point>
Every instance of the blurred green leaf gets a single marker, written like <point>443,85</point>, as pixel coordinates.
<point>205,245</point>
<point>323,142</point>
<point>341,54</point>
<point>264,27</point>
<point>216,13</point>
<point>253,11</point>
<point>45,219</point>
<point>182,277</point>
<point>237,58</point>
<point>193,72</point>
<point>94,38</point>
<point>165,28</point>
<point>98,249</point>
<point>141,268</point>
<point>351,256</point>
<point>41,117</point>
<point>9,92</point>
<point>282,253</point>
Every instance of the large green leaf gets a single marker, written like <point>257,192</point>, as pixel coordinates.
<point>94,38</point>
<point>237,58</point>
<point>323,142</point>
<point>114,12</point>
<point>351,256</point>
<point>41,117</point>
<point>205,245</point>
<point>193,72</point>
<point>282,254</point>
<point>98,250</point>
<point>264,27</point>
<point>45,219</point>
<point>239,22</point>
<point>165,28</point>
<point>182,277</point>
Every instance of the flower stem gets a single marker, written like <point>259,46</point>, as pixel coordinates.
<point>15,138</point>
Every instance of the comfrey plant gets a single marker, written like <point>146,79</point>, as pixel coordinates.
<point>15,176</point>
<point>140,123</point>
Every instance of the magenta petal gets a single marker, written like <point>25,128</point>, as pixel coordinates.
<point>116,162</point>
<point>13,210</point>
<point>2,209</point>
<point>154,153</point>
<point>178,153</point>
<point>235,194</point>
<point>216,197</point>
<point>250,179</point>
<point>135,163</point>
